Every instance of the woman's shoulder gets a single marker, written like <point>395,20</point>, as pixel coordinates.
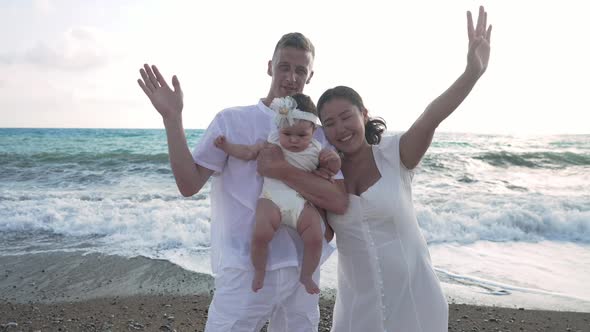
<point>389,152</point>
<point>389,142</point>
<point>388,148</point>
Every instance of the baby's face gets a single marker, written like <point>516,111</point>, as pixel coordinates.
<point>297,137</point>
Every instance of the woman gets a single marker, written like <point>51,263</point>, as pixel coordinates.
<point>385,278</point>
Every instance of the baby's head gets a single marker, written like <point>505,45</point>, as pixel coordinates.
<point>296,136</point>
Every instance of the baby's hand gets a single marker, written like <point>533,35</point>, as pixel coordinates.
<point>220,142</point>
<point>329,160</point>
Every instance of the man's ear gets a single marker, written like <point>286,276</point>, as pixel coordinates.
<point>309,78</point>
<point>269,70</point>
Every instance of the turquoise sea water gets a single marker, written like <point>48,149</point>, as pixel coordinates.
<point>487,205</point>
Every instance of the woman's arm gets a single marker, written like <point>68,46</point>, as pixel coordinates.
<point>320,192</point>
<point>415,142</point>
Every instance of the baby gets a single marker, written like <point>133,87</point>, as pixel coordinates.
<point>295,119</point>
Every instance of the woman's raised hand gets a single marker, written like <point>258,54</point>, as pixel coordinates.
<point>479,43</point>
<point>167,102</point>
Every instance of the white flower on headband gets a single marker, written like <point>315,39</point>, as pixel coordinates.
<point>283,108</point>
<point>286,112</point>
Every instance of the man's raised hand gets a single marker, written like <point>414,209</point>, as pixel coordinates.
<point>167,102</point>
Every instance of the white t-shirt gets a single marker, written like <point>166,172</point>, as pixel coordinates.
<point>235,189</point>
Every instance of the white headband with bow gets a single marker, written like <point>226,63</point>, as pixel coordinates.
<point>286,112</point>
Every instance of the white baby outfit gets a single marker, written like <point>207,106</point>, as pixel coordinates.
<point>290,202</point>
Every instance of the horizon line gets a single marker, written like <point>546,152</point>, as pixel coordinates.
<point>389,130</point>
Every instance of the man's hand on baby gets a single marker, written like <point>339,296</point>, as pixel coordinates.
<point>271,161</point>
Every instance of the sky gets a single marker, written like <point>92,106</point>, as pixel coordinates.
<point>74,64</point>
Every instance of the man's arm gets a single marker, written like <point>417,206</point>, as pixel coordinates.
<point>318,191</point>
<point>189,176</point>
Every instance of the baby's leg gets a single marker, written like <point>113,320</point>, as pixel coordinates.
<point>268,220</point>
<point>310,229</point>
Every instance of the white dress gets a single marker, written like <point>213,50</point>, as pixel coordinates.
<point>386,281</point>
<point>290,202</point>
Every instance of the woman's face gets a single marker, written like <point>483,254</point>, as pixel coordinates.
<point>344,125</point>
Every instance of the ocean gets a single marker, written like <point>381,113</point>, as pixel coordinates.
<point>506,218</point>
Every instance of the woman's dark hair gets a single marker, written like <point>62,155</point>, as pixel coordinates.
<point>304,103</point>
<point>374,128</point>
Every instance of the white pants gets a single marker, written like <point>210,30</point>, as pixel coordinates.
<point>283,300</point>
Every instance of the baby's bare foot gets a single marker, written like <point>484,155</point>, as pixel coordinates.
<point>258,281</point>
<point>310,286</point>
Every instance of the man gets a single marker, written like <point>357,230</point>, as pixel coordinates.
<point>235,189</point>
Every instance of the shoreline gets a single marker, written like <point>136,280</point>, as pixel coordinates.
<point>97,292</point>
<point>73,276</point>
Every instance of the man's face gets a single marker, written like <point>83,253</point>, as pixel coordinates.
<point>290,70</point>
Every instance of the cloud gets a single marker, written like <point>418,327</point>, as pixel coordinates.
<point>43,6</point>
<point>6,59</point>
<point>80,48</point>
